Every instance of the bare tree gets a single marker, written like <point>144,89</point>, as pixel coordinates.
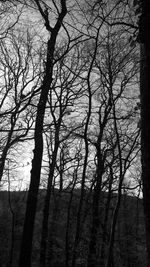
<point>66,90</point>
<point>20,77</point>
<point>145,122</point>
<point>26,247</point>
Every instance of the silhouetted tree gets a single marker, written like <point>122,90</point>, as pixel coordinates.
<point>26,247</point>
<point>144,31</point>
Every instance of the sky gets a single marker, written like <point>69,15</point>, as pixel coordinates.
<point>20,174</point>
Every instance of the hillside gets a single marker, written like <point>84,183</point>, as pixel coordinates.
<point>129,247</point>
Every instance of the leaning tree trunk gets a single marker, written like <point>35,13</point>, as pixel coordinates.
<point>26,246</point>
<point>144,36</point>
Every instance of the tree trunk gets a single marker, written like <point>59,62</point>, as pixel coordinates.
<point>106,219</point>
<point>81,202</point>
<point>53,231</point>
<point>44,238</point>
<point>26,245</point>
<point>144,34</point>
<point>93,259</point>
<point>68,223</point>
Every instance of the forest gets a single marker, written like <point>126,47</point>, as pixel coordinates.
<point>74,133</point>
